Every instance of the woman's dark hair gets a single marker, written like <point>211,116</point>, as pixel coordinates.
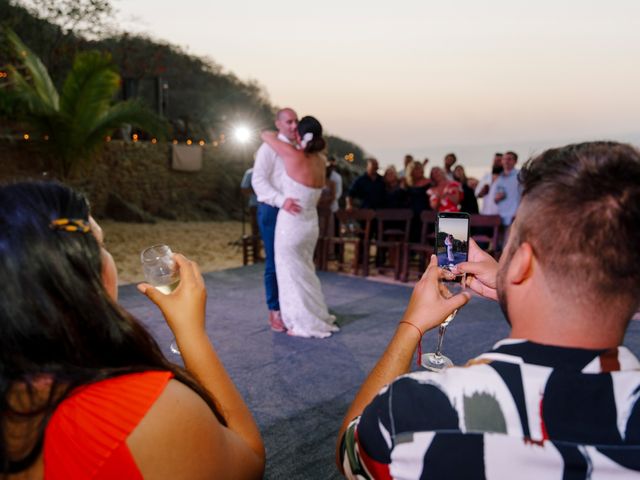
<point>311,125</point>
<point>57,321</point>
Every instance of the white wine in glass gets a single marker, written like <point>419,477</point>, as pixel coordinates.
<point>161,271</point>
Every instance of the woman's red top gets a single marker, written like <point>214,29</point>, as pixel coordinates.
<point>86,436</point>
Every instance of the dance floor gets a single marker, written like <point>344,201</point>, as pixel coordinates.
<point>299,389</point>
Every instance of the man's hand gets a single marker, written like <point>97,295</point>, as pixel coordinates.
<point>291,206</point>
<point>483,191</point>
<point>500,196</point>
<point>481,270</point>
<point>431,302</point>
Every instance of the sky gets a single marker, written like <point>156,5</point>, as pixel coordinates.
<point>423,76</point>
<point>457,227</point>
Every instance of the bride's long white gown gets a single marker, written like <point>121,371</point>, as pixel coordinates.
<point>304,311</point>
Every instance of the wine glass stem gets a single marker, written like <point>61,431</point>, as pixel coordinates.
<point>443,328</point>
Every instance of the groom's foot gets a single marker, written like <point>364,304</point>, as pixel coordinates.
<point>275,320</point>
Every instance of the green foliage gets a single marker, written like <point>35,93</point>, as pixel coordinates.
<point>76,120</point>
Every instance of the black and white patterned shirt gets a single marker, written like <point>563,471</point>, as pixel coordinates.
<point>522,410</point>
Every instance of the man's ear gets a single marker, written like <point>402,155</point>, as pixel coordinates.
<point>521,265</point>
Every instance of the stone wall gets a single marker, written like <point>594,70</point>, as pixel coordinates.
<point>132,176</point>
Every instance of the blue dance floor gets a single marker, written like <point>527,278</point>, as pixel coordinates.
<point>299,389</point>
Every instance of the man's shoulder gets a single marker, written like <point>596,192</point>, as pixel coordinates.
<point>265,151</point>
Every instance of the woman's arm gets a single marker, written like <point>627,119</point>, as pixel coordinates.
<point>434,199</point>
<point>289,154</point>
<point>184,310</point>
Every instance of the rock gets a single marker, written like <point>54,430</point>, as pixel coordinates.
<point>123,211</point>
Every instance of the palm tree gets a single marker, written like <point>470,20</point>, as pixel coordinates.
<point>76,120</point>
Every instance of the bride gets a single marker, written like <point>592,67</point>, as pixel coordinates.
<point>304,311</point>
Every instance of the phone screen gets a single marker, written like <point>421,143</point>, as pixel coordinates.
<point>452,239</point>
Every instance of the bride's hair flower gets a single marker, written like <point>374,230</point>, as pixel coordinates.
<point>306,138</point>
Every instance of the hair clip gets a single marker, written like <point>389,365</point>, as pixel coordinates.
<point>71,225</point>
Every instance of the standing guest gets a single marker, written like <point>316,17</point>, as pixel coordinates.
<point>395,195</point>
<point>444,195</point>
<point>507,195</point>
<point>86,391</point>
<point>486,189</point>
<point>559,397</point>
<point>449,160</point>
<point>469,203</point>
<point>407,160</point>
<point>268,175</point>
<point>368,188</point>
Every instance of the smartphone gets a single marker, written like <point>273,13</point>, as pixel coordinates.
<point>452,238</point>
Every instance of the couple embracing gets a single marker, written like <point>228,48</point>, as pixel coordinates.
<point>288,177</point>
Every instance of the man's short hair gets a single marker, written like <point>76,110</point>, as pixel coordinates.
<point>580,212</point>
<point>514,154</point>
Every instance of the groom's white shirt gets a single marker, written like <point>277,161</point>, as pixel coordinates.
<point>268,173</point>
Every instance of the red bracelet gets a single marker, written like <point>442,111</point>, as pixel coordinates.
<point>419,358</point>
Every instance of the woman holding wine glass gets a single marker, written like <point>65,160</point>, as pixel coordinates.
<point>86,391</point>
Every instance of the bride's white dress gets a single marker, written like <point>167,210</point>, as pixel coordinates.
<point>304,311</point>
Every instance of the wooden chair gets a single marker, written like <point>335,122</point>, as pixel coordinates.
<point>392,233</point>
<point>251,243</point>
<point>325,231</point>
<point>424,248</point>
<point>485,230</point>
<point>354,227</point>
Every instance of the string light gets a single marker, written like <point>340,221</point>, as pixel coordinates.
<point>201,143</point>
<point>189,142</point>
<point>135,137</point>
<point>107,138</point>
<point>154,140</point>
<point>26,136</point>
<point>3,74</point>
<point>175,142</point>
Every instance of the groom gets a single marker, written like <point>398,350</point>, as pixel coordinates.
<point>268,171</point>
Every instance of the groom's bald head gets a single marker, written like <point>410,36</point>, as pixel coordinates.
<point>287,122</point>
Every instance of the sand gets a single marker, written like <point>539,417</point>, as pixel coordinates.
<point>213,245</point>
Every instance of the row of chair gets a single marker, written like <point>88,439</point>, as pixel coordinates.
<point>387,232</point>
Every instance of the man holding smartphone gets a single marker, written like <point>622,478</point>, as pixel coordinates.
<point>559,397</point>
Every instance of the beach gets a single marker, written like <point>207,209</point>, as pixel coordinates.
<point>213,245</point>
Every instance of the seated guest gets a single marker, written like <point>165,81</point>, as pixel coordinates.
<point>559,397</point>
<point>444,195</point>
<point>469,203</point>
<point>86,391</point>
<point>395,195</point>
<point>368,188</point>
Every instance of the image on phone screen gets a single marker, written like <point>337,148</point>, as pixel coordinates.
<point>452,239</point>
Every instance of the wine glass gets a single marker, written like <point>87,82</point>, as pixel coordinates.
<point>161,271</point>
<point>436,361</point>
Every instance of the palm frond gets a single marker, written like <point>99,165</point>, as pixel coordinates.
<point>40,81</point>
